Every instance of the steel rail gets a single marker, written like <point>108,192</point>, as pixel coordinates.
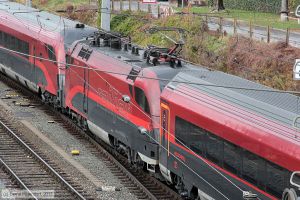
<point>20,141</point>
<point>104,151</point>
<point>22,184</point>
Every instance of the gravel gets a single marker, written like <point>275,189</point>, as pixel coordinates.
<point>61,137</point>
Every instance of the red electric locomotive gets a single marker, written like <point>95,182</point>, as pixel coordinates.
<point>36,33</point>
<point>105,90</point>
<point>226,143</point>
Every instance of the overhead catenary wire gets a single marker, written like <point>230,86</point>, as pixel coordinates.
<point>196,63</point>
<point>37,57</point>
<point>148,116</point>
<point>141,77</point>
<point>213,85</point>
<point>157,142</point>
<point>152,78</point>
<point>147,133</point>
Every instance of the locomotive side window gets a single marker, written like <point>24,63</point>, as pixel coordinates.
<point>130,89</point>
<point>141,99</point>
<point>256,170</point>
<point>51,52</point>
<point>69,60</point>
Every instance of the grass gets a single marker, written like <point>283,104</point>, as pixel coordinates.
<point>257,18</point>
<point>53,5</point>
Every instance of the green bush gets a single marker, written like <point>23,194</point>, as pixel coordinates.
<point>272,6</point>
<point>293,4</point>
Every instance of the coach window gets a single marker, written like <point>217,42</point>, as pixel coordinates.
<point>275,179</point>
<point>141,99</point>
<point>5,39</point>
<point>1,38</point>
<point>232,158</point>
<point>251,167</point>
<point>214,146</point>
<point>190,135</point>
<point>25,48</point>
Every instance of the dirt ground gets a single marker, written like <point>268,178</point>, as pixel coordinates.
<point>269,64</point>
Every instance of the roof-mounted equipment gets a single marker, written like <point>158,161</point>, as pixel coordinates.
<point>107,39</point>
<point>85,53</point>
<point>134,73</point>
<point>155,55</point>
<point>79,25</point>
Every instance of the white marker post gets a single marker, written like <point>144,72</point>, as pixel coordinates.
<point>28,3</point>
<point>105,15</point>
<point>296,70</point>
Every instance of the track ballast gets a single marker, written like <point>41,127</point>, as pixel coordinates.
<point>28,169</point>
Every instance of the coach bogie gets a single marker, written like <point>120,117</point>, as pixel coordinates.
<point>289,194</point>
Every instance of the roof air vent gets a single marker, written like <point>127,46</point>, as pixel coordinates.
<point>134,73</point>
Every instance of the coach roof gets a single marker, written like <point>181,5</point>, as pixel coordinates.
<point>46,22</point>
<point>257,98</point>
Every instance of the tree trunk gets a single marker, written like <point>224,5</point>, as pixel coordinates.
<point>284,10</point>
<point>219,5</point>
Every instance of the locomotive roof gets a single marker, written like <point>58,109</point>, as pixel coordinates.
<point>281,107</point>
<point>50,23</point>
<point>163,71</point>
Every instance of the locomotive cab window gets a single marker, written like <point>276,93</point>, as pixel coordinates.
<point>141,99</point>
<point>51,52</point>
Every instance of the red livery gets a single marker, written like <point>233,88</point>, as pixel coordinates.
<point>187,125</point>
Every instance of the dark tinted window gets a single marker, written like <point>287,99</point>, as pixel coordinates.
<point>130,90</point>
<point>232,158</point>
<point>15,44</point>
<point>214,148</point>
<point>1,38</point>
<point>275,179</point>
<point>51,52</point>
<point>5,39</point>
<point>141,99</point>
<point>250,167</point>
<point>256,170</point>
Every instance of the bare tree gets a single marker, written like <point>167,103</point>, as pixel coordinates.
<point>219,5</point>
<point>284,10</point>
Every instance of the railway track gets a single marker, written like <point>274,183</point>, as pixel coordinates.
<point>29,170</point>
<point>140,183</point>
<point>5,180</point>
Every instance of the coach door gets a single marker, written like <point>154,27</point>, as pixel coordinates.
<point>164,134</point>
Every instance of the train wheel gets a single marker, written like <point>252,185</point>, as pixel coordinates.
<point>194,194</point>
<point>289,194</point>
<point>138,162</point>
